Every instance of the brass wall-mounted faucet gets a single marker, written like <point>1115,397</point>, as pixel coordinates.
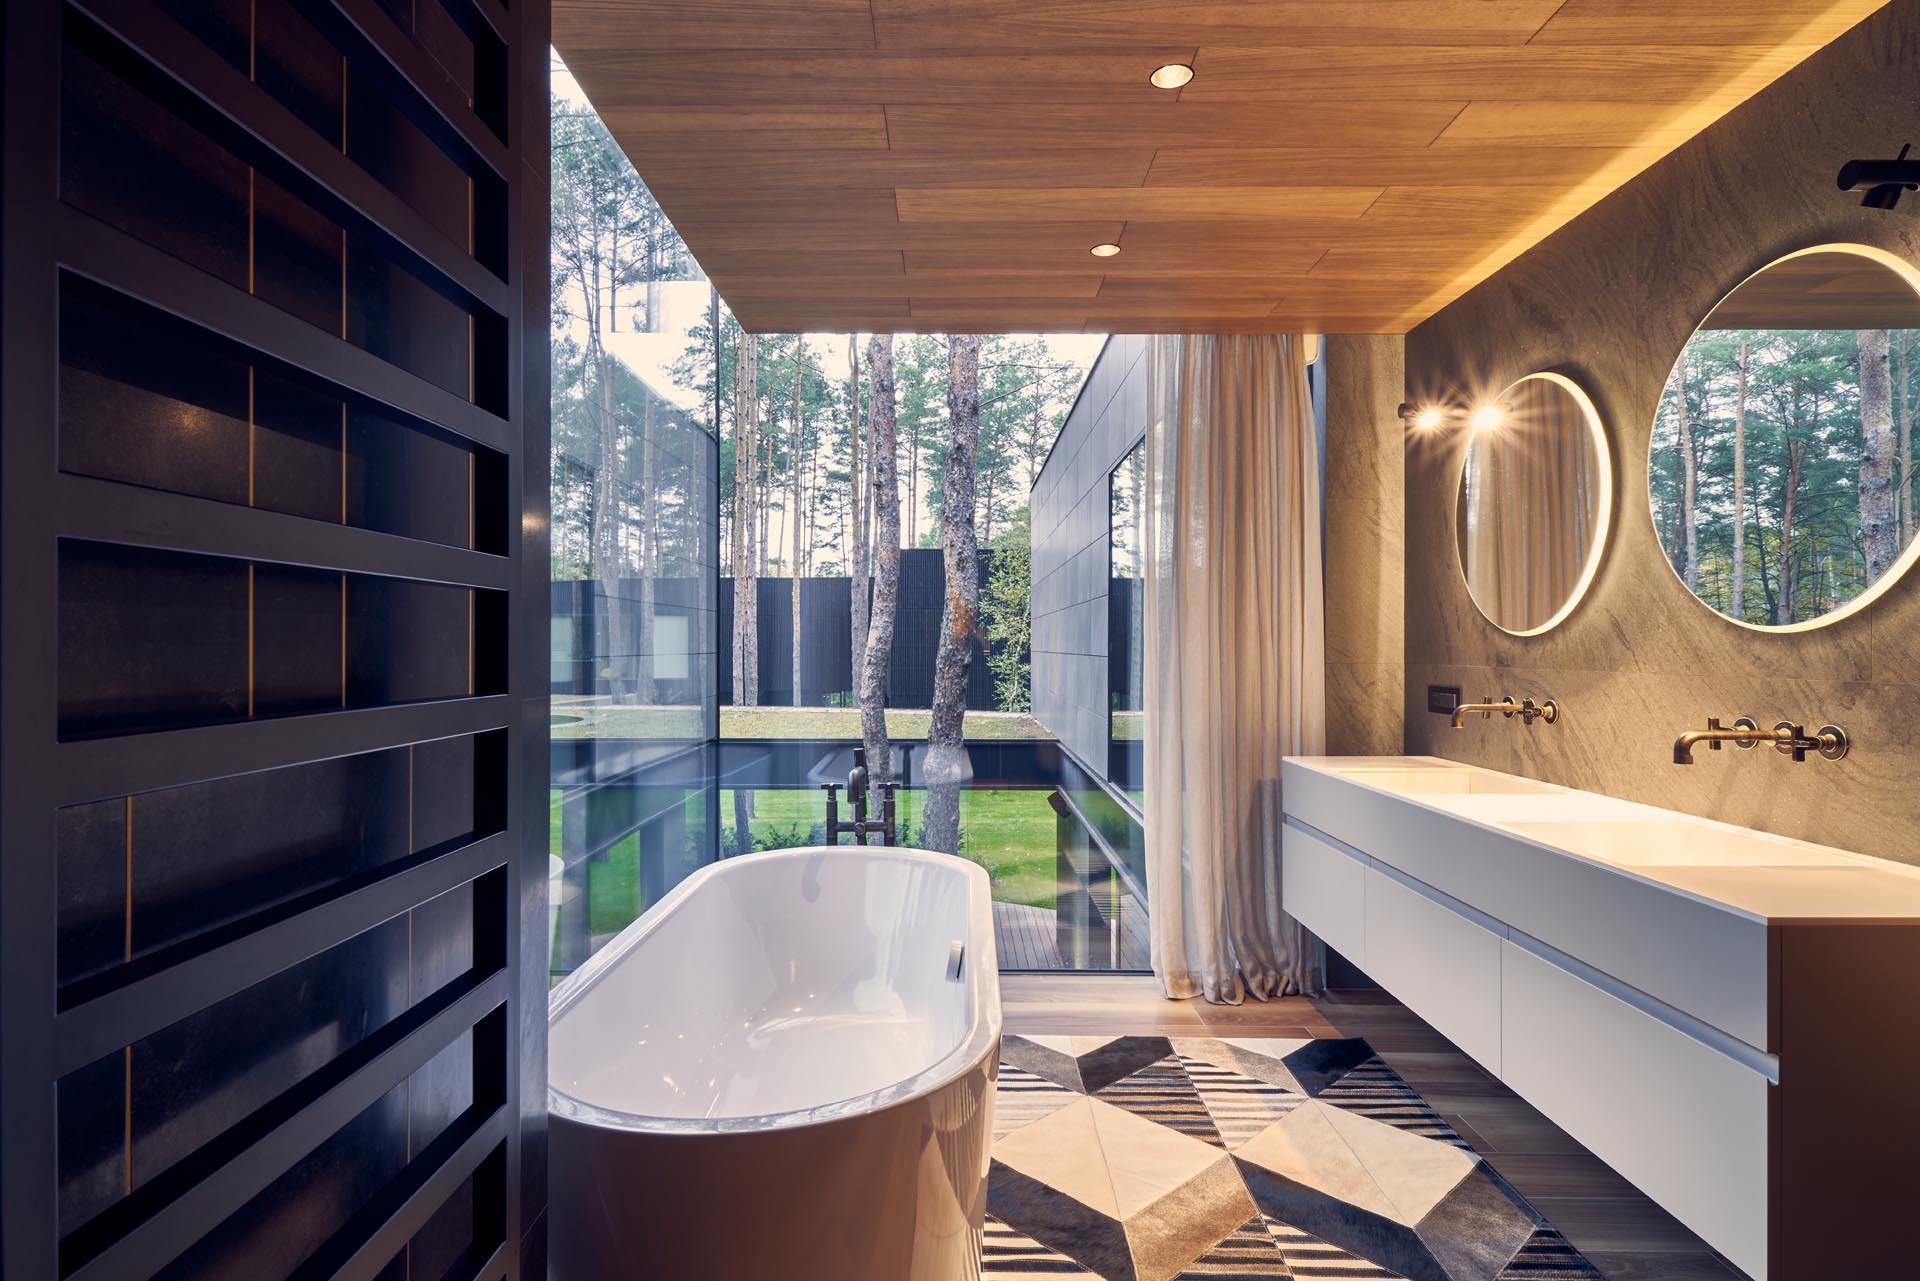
<point>1830,741</point>
<point>1526,709</point>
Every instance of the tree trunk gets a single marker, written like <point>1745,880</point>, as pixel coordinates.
<point>1689,489</point>
<point>913,484</point>
<point>607,522</point>
<point>947,768</point>
<point>986,506</point>
<point>1796,452</point>
<point>1739,609</point>
<point>1879,516</point>
<point>1033,442</point>
<point>857,551</point>
<point>649,558</point>
<point>766,492</point>
<point>746,485</point>
<point>878,661</point>
<point>797,520</point>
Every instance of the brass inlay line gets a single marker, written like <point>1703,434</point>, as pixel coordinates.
<point>469,641</point>
<point>343,640</point>
<point>250,426</point>
<point>343,462</point>
<point>250,617</point>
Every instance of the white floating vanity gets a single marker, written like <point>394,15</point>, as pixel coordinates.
<point>1725,1017</point>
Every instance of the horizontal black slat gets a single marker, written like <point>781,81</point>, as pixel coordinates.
<point>101,768</point>
<point>105,511</point>
<point>121,1008</point>
<point>420,86</point>
<point>355,195</point>
<point>146,1231</point>
<point>364,1248</point>
<point>109,256</point>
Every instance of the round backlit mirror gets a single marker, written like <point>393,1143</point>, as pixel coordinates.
<point>1780,465</point>
<point>1536,493</point>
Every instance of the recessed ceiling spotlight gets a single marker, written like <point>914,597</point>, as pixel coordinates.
<point>1105,250</point>
<point>1171,76</point>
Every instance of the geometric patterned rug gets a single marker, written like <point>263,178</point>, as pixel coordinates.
<point>1149,1158</point>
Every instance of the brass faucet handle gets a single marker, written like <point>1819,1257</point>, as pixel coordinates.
<point>1548,711</point>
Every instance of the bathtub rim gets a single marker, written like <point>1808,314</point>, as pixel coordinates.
<point>980,1041</point>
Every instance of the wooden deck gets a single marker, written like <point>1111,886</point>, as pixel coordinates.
<point>1027,940</point>
<point>1623,1233</point>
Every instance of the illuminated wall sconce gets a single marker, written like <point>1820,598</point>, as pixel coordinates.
<point>1423,417</point>
<point>1431,417</point>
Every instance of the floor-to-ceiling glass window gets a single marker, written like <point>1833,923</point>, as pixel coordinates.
<point>698,468</point>
<point>635,476</point>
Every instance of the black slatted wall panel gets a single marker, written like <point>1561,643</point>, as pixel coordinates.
<point>272,613</point>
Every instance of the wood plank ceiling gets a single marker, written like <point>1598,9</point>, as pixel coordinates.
<point>1334,166</point>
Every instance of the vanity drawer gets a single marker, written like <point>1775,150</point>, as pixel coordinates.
<point>1442,965</point>
<point>1324,888</point>
<point>1683,1122</point>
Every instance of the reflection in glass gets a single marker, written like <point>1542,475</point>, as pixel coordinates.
<point>1535,493</point>
<point>1126,634</point>
<point>1780,468</point>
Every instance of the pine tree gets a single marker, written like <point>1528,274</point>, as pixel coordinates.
<point>877,663</point>
<point>947,766</point>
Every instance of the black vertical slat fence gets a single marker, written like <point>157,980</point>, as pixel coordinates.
<point>272,707</point>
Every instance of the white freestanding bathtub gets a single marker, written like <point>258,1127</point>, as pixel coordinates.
<point>783,1071</point>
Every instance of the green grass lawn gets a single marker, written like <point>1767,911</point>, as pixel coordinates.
<point>1010,833</point>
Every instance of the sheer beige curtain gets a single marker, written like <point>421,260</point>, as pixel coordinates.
<point>1235,657</point>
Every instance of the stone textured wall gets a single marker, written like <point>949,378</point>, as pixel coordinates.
<point>1609,301</point>
<point>1365,551</point>
<point>1070,549</point>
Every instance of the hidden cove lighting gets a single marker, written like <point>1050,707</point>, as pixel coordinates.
<point>1106,249</point>
<point>1173,75</point>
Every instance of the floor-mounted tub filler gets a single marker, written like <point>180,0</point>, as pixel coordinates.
<point>784,1069</point>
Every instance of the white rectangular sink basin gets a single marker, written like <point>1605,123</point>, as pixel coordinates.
<point>1671,842</point>
<point>1440,781</point>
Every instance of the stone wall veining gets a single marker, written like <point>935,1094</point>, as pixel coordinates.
<point>1609,300</point>
<point>1364,547</point>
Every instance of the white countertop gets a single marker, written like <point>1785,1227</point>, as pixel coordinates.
<point>1767,877</point>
